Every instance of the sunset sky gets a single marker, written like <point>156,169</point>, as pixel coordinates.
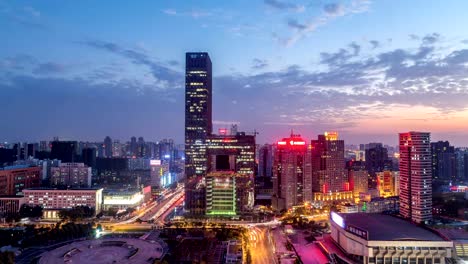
<point>367,69</point>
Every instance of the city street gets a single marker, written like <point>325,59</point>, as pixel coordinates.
<point>261,246</point>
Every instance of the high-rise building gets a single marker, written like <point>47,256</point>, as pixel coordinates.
<point>444,161</point>
<point>462,163</point>
<point>288,173</point>
<point>71,174</point>
<point>415,176</point>
<point>64,150</point>
<point>108,147</point>
<point>377,160</point>
<point>265,161</point>
<point>329,177</point>
<point>89,156</point>
<point>133,147</point>
<point>358,177</point>
<point>198,125</point>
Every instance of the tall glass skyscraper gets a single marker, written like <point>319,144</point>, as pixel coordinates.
<point>198,125</point>
<point>415,176</point>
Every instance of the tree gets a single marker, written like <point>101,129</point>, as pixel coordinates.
<point>7,257</point>
<point>27,210</point>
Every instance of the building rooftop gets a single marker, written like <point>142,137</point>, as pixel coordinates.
<point>385,227</point>
<point>62,189</point>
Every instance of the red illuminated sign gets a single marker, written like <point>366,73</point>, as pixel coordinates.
<point>291,143</point>
<point>222,131</point>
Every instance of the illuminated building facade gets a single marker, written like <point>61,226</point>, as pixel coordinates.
<point>388,183</point>
<point>288,173</point>
<point>231,168</point>
<point>415,176</point>
<point>198,125</point>
<point>371,238</point>
<point>358,177</point>
<point>50,198</point>
<point>329,177</point>
<point>122,200</point>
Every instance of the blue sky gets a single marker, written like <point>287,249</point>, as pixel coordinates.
<point>369,69</point>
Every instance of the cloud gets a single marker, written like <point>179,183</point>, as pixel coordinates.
<point>430,39</point>
<point>259,64</point>
<point>171,12</point>
<point>414,37</point>
<point>166,78</point>
<point>283,5</point>
<point>375,44</point>
<point>346,90</point>
<point>294,24</point>
<point>330,12</point>
<point>333,9</point>
<point>356,48</point>
<point>49,68</point>
<point>194,13</point>
<point>31,11</point>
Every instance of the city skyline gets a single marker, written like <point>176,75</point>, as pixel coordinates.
<point>311,67</point>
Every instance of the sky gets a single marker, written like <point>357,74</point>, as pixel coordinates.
<point>367,69</point>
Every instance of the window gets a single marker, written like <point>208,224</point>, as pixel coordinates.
<point>396,261</point>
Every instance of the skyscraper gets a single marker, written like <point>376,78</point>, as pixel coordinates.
<point>108,147</point>
<point>265,162</point>
<point>198,125</point>
<point>444,161</point>
<point>288,173</point>
<point>329,177</point>
<point>415,176</point>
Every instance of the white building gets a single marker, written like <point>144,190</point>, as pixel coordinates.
<point>122,200</point>
<point>384,239</point>
<point>57,199</point>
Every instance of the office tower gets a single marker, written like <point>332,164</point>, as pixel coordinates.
<point>108,147</point>
<point>329,177</point>
<point>64,150</point>
<point>116,149</point>
<point>71,175</point>
<point>415,176</point>
<point>444,161</point>
<point>198,125</point>
<point>43,146</point>
<point>265,161</point>
<point>288,173</point>
<point>141,148</point>
<point>462,163</point>
<point>231,159</point>
<point>376,157</point>
<point>133,147</point>
<point>88,156</point>
<point>358,177</point>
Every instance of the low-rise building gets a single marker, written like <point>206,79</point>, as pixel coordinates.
<point>56,199</point>
<point>14,179</point>
<point>234,252</point>
<point>379,238</point>
<point>122,200</point>
<point>10,205</point>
